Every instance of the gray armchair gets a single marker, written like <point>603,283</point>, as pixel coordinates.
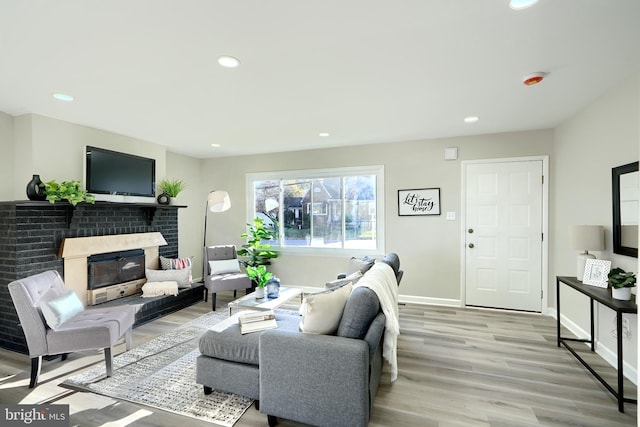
<point>95,328</point>
<point>222,278</point>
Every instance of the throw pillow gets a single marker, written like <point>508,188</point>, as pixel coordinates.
<point>58,310</point>
<point>321,311</point>
<point>352,278</point>
<point>362,265</point>
<point>363,306</point>
<point>223,266</point>
<point>175,263</point>
<point>180,276</point>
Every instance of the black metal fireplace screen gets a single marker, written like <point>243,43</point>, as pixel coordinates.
<point>115,267</point>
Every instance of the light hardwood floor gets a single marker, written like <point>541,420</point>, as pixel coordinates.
<point>457,367</point>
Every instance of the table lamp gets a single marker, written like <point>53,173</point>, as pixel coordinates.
<point>586,238</point>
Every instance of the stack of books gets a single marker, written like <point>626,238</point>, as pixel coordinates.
<point>257,321</point>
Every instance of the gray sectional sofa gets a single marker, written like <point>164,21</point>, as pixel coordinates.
<point>322,380</point>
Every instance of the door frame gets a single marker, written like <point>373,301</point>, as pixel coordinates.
<point>545,224</point>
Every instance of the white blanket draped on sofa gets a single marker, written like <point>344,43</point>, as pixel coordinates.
<point>381,280</point>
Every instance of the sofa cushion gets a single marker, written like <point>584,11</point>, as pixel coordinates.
<point>352,278</point>
<point>359,264</point>
<point>229,344</point>
<point>321,311</point>
<point>361,308</point>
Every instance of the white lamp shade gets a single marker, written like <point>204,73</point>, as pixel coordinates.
<point>218,201</point>
<point>587,237</point>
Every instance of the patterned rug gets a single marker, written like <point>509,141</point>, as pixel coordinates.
<point>161,374</point>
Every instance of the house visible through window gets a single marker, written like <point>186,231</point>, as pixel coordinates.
<point>335,208</point>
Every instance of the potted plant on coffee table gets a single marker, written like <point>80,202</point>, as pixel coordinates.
<point>261,277</point>
<point>621,283</point>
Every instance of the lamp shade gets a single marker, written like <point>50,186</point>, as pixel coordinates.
<point>218,201</point>
<point>587,237</point>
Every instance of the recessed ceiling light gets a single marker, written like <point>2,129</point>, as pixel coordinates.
<point>471,119</point>
<point>215,145</point>
<point>323,134</point>
<point>63,97</point>
<point>228,61</point>
<point>521,4</point>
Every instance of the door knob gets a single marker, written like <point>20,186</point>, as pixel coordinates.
<point>470,231</point>
<point>471,245</point>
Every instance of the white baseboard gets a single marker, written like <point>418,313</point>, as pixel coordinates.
<point>608,354</point>
<point>429,301</point>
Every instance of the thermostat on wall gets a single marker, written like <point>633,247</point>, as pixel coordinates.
<point>451,153</point>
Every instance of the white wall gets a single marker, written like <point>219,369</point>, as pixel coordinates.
<point>604,135</point>
<point>6,159</point>
<point>428,246</point>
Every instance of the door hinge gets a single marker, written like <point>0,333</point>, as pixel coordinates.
<point>542,236</point>
<point>541,294</point>
<point>543,179</point>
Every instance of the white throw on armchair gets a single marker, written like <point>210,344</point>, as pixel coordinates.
<point>55,322</point>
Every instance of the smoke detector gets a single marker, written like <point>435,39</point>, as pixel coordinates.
<point>533,78</point>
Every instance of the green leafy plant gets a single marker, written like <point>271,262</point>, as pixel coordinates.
<point>255,251</point>
<point>171,187</point>
<point>259,275</point>
<point>618,278</point>
<point>67,190</point>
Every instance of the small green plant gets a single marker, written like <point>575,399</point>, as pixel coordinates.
<point>171,187</point>
<point>618,278</point>
<point>260,275</point>
<point>256,252</point>
<point>67,190</point>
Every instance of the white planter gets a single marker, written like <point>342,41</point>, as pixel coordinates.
<point>259,293</point>
<point>623,294</point>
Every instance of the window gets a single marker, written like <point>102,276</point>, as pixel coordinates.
<point>324,209</point>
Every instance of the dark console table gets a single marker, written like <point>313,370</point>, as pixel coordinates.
<point>602,296</point>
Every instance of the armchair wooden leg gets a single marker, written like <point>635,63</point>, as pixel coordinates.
<point>127,339</point>
<point>108,360</point>
<point>273,421</point>
<point>207,390</point>
<point>213,301</point>
<point>206,294</point>
<point>36,364</point>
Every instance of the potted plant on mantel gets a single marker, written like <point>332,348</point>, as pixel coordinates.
<point>67,190</point>
<point>621,283</point>
<point>261,277</point>
<point>169,190</point>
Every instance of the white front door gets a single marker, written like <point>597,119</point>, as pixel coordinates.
<point>503,234</point>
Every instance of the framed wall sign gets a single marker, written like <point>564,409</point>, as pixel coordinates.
<point>421,201</point>
<point>596,272</point>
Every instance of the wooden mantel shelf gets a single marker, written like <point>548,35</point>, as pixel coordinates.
<point>149,209</point>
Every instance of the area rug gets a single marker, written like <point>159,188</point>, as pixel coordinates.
<point>161,374</point>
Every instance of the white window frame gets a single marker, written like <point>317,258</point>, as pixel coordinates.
<point>377,170</point>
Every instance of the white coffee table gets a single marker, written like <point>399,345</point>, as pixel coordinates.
<point>251,302</point>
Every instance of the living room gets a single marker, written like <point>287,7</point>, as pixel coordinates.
<point>581,150</point>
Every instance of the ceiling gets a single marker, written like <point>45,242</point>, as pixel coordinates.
<point>365,71</point>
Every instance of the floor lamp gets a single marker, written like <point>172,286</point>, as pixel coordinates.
<point>217,201</point>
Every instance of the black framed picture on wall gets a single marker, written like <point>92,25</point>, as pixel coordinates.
<point>420,201</point>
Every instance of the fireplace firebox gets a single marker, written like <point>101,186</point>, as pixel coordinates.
<point>115,275</point>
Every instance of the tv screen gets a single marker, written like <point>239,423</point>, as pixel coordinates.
<point>111,172</point>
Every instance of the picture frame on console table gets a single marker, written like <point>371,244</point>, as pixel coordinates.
<point>420,201</point>
<point>596,272</point>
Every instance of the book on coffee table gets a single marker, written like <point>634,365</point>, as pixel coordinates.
<point>253,322</point>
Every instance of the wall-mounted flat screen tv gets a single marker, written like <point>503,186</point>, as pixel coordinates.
<point>111,172</point>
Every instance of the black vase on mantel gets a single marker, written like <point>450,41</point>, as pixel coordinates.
<point>34,190</point>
